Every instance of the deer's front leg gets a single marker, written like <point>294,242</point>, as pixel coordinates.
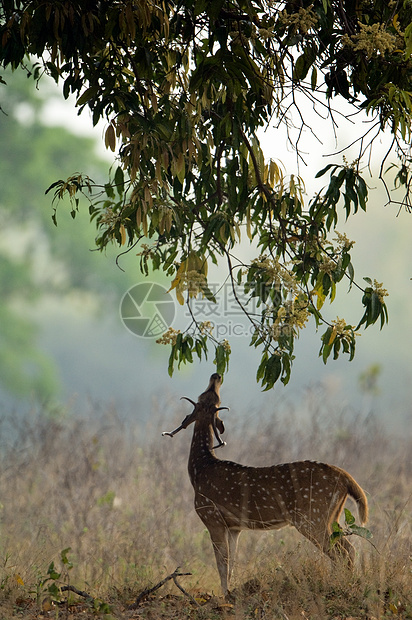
<point>219,535</point>
<point>222,542</point>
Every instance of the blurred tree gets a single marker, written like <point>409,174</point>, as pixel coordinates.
<point>184,87</point>
<point>369,380</point>
<point>31,157</point>
<point>23,368</point>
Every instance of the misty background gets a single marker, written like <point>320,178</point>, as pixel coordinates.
<point>63,346</point>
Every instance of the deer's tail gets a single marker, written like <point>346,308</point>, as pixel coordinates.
<point>358,494</point>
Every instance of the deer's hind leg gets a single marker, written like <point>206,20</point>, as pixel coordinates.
<point>233,537</point>
<point>318,530</point>
<point>342,548</point>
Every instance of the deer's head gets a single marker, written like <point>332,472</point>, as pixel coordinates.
<point>206,410</point>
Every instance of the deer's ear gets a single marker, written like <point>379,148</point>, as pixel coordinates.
<point>219,425</point>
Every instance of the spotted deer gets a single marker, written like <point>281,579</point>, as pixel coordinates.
<point>230,497</point>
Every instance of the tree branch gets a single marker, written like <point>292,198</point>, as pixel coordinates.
<point>161,583</point>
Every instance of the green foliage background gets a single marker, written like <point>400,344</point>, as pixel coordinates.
<point>36,264</point>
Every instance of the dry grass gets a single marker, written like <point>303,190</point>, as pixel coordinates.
<point>120,498</point>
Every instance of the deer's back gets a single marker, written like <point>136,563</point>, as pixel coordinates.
<point>268,497</point>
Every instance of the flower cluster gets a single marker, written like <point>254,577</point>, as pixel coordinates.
<point>169,337</point>
<point>109,217</point>
<point>206,327</point>
<point>373,40</point>
<point>291,316</point>
<point>300,21</point>
<point>339,325</point>
<point>354,165</point>
<point>225,344</point>
<point>266,33</point>
<point>344,244</point>
<point>380,291</point>
<point>146,251</point>
<point>275,272</point>
<point>327,265</point>
<point>340,328</point>
<point>192,281</point>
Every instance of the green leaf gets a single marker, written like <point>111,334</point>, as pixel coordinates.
<point>119,180</point>
<point>324,170</point>
<point>361,531</point>
<point>336,348</point>
<point>314,78</point>
<point>65,560</point>
<point>349,518</point>
<point>108,188</point>
<point>272,370</point>
<point>336,534</point>
<point>261,369</point>
<point>207,292</point>
<point>326,351</point>
<point>54,591</point>
<point>221,359</point>
<point>172,359</point>
<point>300,69</point>
<point>408,41</point>
<point>88,94</point>
<point>52,573</point>
<point>286,367</point>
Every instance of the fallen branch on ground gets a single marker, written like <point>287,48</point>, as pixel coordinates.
<point>161,583</point>
<point>85,595</point>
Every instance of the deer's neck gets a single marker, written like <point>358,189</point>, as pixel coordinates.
<point>201,450</point>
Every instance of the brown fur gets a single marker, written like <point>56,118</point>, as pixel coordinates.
<point>230,497</point>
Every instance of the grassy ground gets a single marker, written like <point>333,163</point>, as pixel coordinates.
<point>107,508</point>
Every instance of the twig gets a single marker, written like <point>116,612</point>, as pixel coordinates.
<point>85,595</point>
<point>161,583</point>
<point>182,589</point>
